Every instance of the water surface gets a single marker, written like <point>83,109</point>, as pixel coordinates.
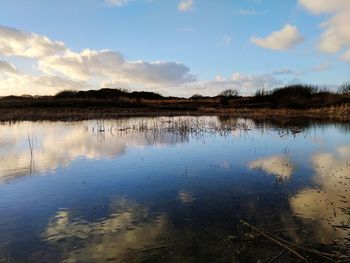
<point>171,189</point>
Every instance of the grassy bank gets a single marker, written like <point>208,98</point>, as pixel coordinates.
<point>288,102</point>
<point>339,114</point>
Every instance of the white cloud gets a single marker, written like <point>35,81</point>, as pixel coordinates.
<point>6,67</point>
<point>83,65</point>
<point>284,39</point>
<point>111,64</point>
<point>346,56</point>
<point>59,68</point>
<point>245,84</point>
<point>14,42</point>
<point>19,84</point>
<point>324,6</point>
<point>336,35</point>
<point>185,5</point>
<point>117,2</point>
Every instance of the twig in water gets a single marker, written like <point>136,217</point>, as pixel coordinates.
<point>154,248</point>
<point>274,258</point>
<point>276,241</point>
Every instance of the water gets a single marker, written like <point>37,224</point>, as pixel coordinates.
<point>172,190</point>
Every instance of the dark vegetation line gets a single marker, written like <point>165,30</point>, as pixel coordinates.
<point>296,100</point>
<point>290,97</point>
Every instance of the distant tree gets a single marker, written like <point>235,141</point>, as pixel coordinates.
<point>124,90</point>
<point>229,93</point>
<point>345,88</point>
<point>261,92</point>
<point>196,96</point>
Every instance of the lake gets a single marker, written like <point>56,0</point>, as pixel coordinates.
<point>174,189</point>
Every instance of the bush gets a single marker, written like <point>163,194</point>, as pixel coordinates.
<point>345,88</point>
<point>295,91</point>
<point>229,93</point>
<point>196,97</point>
<point>66,94</point>
<point>261,93</point>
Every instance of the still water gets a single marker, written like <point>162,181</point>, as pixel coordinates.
<point>173,190</point>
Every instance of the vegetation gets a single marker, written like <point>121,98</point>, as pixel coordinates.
<point>345,88</point>
<point>197,96</point>
<point>229,93</point>
<point>300,99</point>
<point>67,94</point>
<point>293,91</point>
<point>262,93</point>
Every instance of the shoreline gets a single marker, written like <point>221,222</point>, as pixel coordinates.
<point>337,114</point>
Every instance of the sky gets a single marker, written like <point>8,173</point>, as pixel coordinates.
<point>173,47</point>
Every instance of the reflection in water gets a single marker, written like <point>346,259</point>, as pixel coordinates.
<point>186,197</point>
<point>278,165</point>
<point>116,238</point>
<point>187,201</point>
<point>329,204</point>
<point>57,144</point>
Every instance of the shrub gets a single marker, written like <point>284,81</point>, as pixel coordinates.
<point>261,93</point>
<point>66,94</point>
<point>295,91</point>
<point>345,88</point>
<point>229,93</point>
<point>196,97</point>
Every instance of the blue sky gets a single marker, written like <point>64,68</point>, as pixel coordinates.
<point>175,47</point>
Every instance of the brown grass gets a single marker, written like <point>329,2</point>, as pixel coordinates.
<point>333,113</point>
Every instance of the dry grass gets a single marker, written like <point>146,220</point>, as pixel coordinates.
<point>333,113</point>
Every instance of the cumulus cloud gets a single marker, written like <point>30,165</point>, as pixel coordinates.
<point>82,65</point>
<point>18,83</point>
<point>117,2</point>
<point>245,84</point>
<point>6,67</point>
<point>336,35</point>
<point>59,68</point>
<point>14,42</point>
<point>106,63</point>
<point>185,5</point>
<point>284,39</point>
<point>324,6</point>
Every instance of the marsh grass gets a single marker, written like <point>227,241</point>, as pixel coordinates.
<point>286,102</point>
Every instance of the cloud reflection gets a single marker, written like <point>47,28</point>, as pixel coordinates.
<point>57,144</point>
<point>328,205</point>
<point>128,229</point>
<point>277,165</point>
